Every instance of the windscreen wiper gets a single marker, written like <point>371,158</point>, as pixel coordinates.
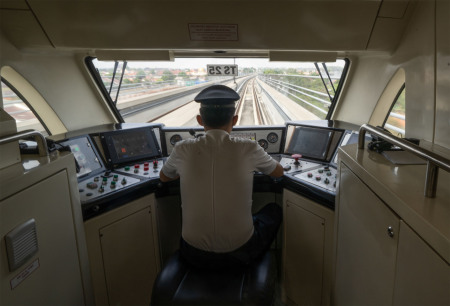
<point>323,81</point>
<point>124,66</point>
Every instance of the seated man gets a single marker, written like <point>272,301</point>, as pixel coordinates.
<point>216,179</point>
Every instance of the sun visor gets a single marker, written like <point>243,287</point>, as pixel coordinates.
<point>302,56</point>
<point>134,55</point>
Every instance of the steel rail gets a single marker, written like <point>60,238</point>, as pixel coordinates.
<point>394,128</point>
<point>297,86</point>
<point>292,87</point>
<point>258,110</point>
<point>434,161</point>
<point>241,89</point>
<point>301,76</point>
<point>304,101</point>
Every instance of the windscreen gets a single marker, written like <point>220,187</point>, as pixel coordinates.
<point>272,93</point>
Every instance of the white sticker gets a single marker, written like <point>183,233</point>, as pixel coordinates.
<point>24,274</point>
<point>213,32</point>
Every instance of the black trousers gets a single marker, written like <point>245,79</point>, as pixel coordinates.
<point>266,223</point>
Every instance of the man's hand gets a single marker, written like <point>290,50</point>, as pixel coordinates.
<point>278,172</point>
<point>164,178</point>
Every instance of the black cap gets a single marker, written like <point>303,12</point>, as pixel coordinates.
<point>217,95</point>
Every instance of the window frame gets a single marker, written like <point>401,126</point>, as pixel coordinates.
<point>18,94</point>
<point>337,94</point>
<point>99,83</point>
<point>399,93</point>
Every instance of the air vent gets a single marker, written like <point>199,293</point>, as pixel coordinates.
<point>21,244</point>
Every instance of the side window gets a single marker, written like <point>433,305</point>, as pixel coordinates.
<point>395,119</point>
<point>17,108</point>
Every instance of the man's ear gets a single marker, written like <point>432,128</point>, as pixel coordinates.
<point>200,120</point>
<point>235,119</point>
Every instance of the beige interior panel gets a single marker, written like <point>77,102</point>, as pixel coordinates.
<point>386,34</point>
<point>371,72</point>
<point>304,255</point>
<point>57,280</point>
<point>22,28</point>
<point>37,102</point>
<point>417,55</point>
<point>422,276</point>
<point>123,249</point>
<point>442,135</point>
<point>387,98</point>
<point>137,24</point>
<point>129,259</point>
<point>60,78</point>
<point>307,250</point>
<point>366,255</point>
<point>134,55</point>
<point>14,4</point>
<point>393,8</point>
<point>301,56</point>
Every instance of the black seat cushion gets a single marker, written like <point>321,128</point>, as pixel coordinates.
<point>180,283</point>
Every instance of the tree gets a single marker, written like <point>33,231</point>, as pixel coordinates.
<point>167,76</point>
<point>183,75</point>
<point>140,75</point>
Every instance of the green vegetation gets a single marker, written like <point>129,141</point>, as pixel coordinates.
<point>168,76</point>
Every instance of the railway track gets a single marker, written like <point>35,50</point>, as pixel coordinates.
<point>254,108</point>
<point>251,108</point>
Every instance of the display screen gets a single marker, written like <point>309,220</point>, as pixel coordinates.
<point>130,145</point>
<point>310,142</point>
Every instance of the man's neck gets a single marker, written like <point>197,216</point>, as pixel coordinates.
<point>224,128</point>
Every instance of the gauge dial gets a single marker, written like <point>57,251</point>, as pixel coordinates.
<point>263,143</point>
<point>272,137</point>
<point>174,139</point>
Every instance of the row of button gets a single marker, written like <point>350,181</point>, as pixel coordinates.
<point>143,169</point>
<point>324,177</point>
<point>104,184</point>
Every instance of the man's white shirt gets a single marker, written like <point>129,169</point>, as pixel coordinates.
<point>216,179</point>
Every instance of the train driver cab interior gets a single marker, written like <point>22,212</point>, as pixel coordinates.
<point>328,149</point>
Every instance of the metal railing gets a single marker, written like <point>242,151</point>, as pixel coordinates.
<point>434,161</point>
<point>271,83</point>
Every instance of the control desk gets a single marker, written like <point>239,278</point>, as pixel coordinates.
<point>123,162</point>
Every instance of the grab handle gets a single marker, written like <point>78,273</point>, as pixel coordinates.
<point>434,161</point>
<point>40,139</point>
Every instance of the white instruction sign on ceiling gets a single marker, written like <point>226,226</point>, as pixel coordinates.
<point>213,32</point>
<point>222,70</point>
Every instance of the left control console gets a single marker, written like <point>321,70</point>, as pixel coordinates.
<point>111,162</point>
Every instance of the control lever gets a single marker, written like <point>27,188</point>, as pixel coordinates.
<point>296,157</point>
